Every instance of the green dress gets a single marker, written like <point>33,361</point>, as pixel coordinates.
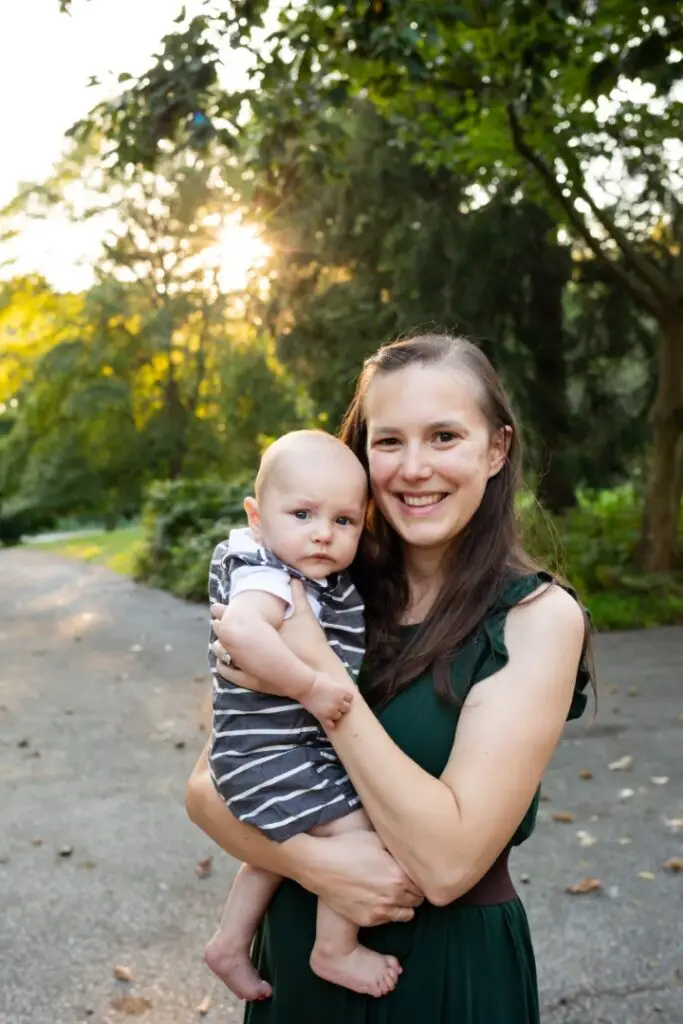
<point>461,964</point>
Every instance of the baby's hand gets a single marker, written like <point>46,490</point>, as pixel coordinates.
<point>328,699</point>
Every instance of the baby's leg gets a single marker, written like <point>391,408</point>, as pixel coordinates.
<point>228,953</point>
<point>337,955</point>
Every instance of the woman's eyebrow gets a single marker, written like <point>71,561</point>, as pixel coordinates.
<point>437,425</point>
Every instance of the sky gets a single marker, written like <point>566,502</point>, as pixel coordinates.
<point>46,59</point>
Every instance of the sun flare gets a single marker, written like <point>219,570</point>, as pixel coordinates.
<point>241,250</point>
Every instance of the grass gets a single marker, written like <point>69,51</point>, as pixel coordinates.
<point>115,549</point>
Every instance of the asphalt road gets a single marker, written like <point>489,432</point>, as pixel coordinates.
<point>102,685</point>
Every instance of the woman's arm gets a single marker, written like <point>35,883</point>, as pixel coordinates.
<point>354,874</point>
<point>447,832</point>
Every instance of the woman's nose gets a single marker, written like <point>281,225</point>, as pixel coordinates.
<point>415,465</point>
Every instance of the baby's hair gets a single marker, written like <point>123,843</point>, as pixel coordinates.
<point>295,441</point>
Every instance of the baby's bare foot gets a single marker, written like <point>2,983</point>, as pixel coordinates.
<point>232,964</point>
<point>362,970</point>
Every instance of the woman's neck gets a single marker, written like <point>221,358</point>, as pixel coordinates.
<point>424,575</point>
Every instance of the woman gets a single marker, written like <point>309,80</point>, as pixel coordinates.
<point>474,662</point>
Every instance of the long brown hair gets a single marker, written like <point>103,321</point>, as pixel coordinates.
<point>489,551</point>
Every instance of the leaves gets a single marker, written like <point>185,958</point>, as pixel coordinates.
<point>564,816</point>
<point>204,868</point>
<point>622,764</point>
<point>133,1006</point>
<point>584,887</point>
<point>673,864</point>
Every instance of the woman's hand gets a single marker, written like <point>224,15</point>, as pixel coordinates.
<point>357,877</point>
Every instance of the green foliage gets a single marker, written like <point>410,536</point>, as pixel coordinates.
<point>19,518</point>
<point>593,546</point>
<point>182,522</point>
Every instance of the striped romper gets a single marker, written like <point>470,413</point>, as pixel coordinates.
<point>270,759</point>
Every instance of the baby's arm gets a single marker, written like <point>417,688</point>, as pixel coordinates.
<point>249,631</point>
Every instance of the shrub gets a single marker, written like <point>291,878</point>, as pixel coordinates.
<point>592,546</point>
<point>18,519</point>
<point>182,522</point>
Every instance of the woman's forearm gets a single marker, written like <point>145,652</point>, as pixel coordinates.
<point>415,814</point>
<point>208,811</point>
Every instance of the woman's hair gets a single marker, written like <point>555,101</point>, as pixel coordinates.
<point>483,557</point>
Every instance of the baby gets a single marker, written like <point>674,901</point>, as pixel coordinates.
<point>270,759</point>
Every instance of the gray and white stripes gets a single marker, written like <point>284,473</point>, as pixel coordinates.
<point>270,759</point>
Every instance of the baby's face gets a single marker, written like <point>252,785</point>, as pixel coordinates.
<point>312,516</point>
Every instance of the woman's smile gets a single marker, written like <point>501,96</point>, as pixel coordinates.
<point>420,504</point>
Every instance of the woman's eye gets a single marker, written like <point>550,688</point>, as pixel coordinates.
<point>386,442</point>
<point>302,514</point>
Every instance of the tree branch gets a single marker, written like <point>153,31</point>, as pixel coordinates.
<point>641,294</point>
<point>642,266</point>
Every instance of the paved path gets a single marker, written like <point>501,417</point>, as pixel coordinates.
<point>101,684</point>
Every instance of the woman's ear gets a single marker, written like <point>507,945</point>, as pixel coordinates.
<point>498,452</point>
<point>253,516</point>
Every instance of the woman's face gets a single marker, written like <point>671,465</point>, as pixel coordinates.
<point>430,452</point>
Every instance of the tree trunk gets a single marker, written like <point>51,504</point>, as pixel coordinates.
<point>551,418</point>
<point>659,536</point>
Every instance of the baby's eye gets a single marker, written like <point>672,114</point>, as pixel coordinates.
<point>302,514</point>
<point>344,521</point>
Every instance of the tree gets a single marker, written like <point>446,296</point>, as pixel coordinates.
<point>374,243</point>
<point>572,99</point>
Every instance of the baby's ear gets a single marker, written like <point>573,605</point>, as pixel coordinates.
<point>253,516</point>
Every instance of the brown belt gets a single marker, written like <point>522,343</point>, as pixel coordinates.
<point>495,887</point>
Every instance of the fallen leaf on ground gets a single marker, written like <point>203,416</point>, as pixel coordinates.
<point>673,864</point>
<point>633,691</point>
<point>524,879</point>
<point>674,823</point>
<point>24,742</point>
<point>134,1006</point>
<point>565,816</point>
<point>585,774</point>
<point>135,648</point>
<point>659,780</point>
<point>204,867</point>
<point>204,1006</point>
<point>122,973</point>
<point>624,840</point>
<point>179,744</point>
<point>586,885</point>
<point>585,838</point>
<point>648,876</point>
<point>199,679</point>
<point>622,764</point>
<point>626,794</point>
<point>36,841</point>
<point>66,851</point>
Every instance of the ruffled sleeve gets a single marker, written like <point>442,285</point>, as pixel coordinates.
<point>490,652</point>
